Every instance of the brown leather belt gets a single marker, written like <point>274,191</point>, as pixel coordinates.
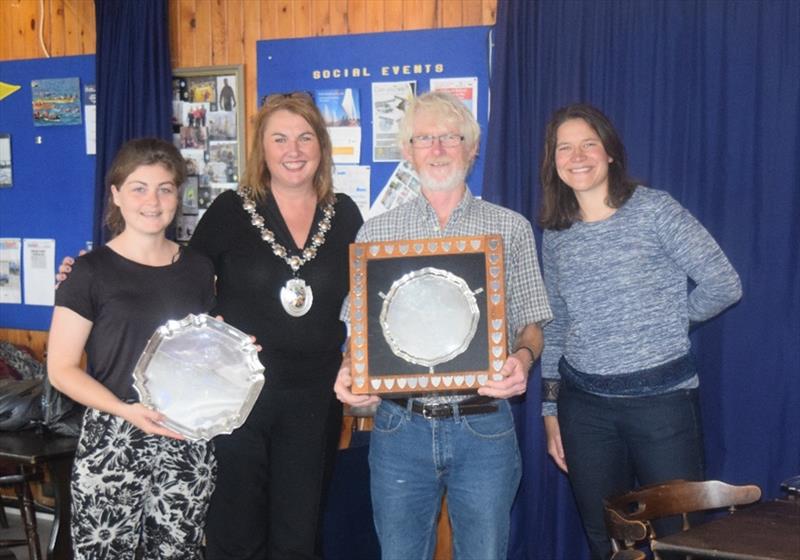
<point>472,405</point>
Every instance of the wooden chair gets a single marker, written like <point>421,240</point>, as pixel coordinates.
<point>628,516</point>
<point>20,481</point>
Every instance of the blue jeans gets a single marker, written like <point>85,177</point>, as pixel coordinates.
<point>613,443</point>
<point>413,461</point>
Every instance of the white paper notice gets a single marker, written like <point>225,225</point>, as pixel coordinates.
<point>341,110</point>
<point>39,262</point>
<point>10,286</point>
<point>353,180</point>
<point>466,89</point>
<point>90,114</point>
<point>346,142</point>
<point>389,101</point>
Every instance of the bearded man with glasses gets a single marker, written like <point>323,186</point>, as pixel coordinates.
<point>462,446</point>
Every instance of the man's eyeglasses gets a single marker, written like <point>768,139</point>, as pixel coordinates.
<point>445,140</point>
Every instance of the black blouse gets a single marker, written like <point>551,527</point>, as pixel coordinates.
<point>250,277</point>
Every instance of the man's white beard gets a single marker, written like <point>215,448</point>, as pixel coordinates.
<point>453,181</point>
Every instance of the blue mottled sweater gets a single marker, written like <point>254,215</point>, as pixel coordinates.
<point>618,288</point>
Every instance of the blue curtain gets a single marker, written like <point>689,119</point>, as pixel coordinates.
<point>706,95</point>
<point>134,83</point>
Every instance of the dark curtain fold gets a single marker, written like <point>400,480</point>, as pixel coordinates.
<point>706,96</point>
<point>134,89</point>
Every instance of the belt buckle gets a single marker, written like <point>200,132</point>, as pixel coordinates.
<point>434,411</point>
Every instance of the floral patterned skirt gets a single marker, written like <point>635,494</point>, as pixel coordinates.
<point>133,490</point>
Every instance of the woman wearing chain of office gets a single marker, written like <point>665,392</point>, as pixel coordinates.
<point>279,247</point>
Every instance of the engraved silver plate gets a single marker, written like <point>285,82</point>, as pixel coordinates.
<point>202,374</point>
<point>429,316</point>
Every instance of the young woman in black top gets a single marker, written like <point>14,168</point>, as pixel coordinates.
<point>135,483</point>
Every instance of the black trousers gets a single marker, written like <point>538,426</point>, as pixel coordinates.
<point>272,475</point>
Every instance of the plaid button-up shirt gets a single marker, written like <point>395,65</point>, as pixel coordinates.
<point>526,299</point>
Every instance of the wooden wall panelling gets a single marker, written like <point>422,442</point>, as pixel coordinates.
<point>234,39</point>
<point>356,14</point>
<point>488,12</point>
<point>374,19</point>
<point>219,32</point>
<point>420,14</point>
<point>203,45</point>
<point>302,18</point>
<point>79,27</point>
<point>339,17</point>
<point>55,35</point>
<point>392,15</point>
<point>284,13</point>
<point>472,13</point>
<point>252,32</point>
<point>451,13</point>
<point>321,18</point>
<point>68,28</point>
<point>184,29</point>
<point>266,19</point>
<point>20,27</point>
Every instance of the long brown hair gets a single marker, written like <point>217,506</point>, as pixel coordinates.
<point>133,154</point>
<point>559,206</point>
<point>257,176</point>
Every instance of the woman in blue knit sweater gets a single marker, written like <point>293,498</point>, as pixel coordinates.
<point>619,389</point>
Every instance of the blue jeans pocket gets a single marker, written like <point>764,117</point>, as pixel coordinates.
<point>494,425</point>
<point>388,418</point>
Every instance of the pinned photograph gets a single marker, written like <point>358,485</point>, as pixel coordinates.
<point>202,89</point>
<point>221,125</point>
<point>195,161</point>
<point>222,166</point>
<point>193,137</point>
<point>194,114</point>
<point>56,102</point>
<point>227,97</point>
<point>189,204</point>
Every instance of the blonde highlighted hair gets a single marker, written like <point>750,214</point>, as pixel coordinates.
<point>257,177</point>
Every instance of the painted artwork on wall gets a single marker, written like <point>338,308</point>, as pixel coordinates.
<point>56,102</point>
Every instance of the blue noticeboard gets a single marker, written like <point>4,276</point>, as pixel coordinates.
<point>52,196</point>
<point>358,61</point>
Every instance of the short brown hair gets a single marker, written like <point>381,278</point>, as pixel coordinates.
<point>559,206</point>
<point>132,155</point>
<point>257,176</point>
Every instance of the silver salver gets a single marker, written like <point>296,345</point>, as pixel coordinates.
<point>202,374</point>
<point>429,316</point>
